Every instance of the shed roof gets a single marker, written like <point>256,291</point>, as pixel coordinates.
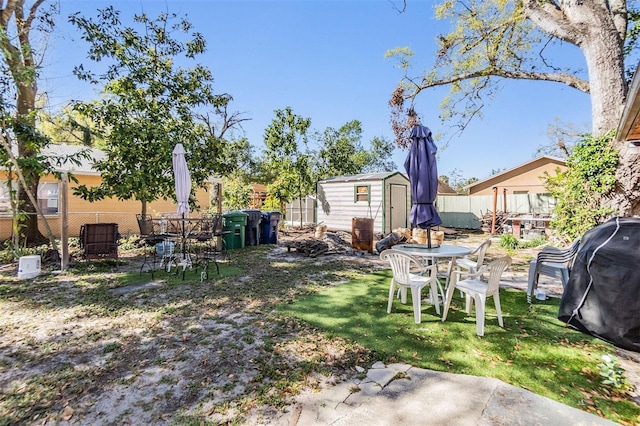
<point>443,188</point>
<point>362,177</point>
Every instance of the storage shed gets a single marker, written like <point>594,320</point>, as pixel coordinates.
<point>385,197</point>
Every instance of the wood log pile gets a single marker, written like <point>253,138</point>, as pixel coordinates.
<point>330,243</point>
<point>487,219</point>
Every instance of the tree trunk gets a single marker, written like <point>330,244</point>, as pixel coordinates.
<point>608,93</point>
<point>625,199</point>
<point>600,36</point>
<point>28,225</point>
<point>607,84</point>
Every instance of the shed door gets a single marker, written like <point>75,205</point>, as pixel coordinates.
<point>398,217</point>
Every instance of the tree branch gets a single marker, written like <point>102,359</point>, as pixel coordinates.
<point>399,10</point>
<point>6,12</point>
<point>548,15</point>
<point>564,78</point>
<point>618,9</point>
<point>227,121</point>
<point>32,12</point>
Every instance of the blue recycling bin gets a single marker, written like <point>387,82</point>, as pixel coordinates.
<point>252,230</point>
<point>269,225</point>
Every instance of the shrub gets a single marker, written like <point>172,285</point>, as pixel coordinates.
<point>508,241</point>
<point>590,176</point>
<point>613,374</point>
<point>533,242</point>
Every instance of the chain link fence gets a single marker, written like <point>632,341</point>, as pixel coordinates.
<point>127,223</point>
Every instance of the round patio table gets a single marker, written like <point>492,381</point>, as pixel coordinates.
<point>430,255</point>
<point>443,250</point>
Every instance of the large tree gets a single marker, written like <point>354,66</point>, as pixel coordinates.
<point>493,40</point>
<point>150,104</point>
<point>341,152</point>
<point>287,157</point>
<point>19,21</point>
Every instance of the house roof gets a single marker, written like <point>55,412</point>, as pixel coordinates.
<point>550,159</point>
<point>85,165</point>
<point>362,177</point>
<point>258,188</point>
<point>629,126</point>
<point>444,188</point>
<point>63,151</point>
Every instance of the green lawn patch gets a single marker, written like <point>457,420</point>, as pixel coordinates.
<point>534,350</point>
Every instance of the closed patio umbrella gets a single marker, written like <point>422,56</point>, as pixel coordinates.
<point>423,179</point>
<point>183,185</point>
<point>182,179</point>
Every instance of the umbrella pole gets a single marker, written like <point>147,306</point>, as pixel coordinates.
<point>428,237</point>
<point>184,242</point>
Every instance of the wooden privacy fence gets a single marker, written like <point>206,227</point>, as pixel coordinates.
<point>465,211</point>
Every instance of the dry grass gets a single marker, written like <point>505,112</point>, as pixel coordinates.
<point>88,346</point>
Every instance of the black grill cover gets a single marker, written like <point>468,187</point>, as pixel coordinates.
<point>602,297</point>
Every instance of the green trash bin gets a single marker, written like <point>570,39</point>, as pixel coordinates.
<point>233,228</point>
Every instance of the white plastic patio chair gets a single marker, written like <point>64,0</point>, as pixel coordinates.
<point>468,264</point>
<point>478,253</point>
<point>408,272</point>
<point>476,289</point>
<point>553,262</point>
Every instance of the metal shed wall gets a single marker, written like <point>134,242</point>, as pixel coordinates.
<point>336,205</point>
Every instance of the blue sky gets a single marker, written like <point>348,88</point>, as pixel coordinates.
<point>326,60</point>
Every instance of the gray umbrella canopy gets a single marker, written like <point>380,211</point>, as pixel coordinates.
<point>182,178</point>
<point>423,178</point>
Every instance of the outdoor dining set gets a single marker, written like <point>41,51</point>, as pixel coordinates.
<point>415,266</point>
<point>183,243</point>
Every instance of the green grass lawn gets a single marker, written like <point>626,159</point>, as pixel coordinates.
<point>534,350</point>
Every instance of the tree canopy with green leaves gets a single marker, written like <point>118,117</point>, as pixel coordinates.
<point>494,40</point>
<point>290,167</point>
<point>287,156</point>
<point>341,152</point>
<point>150,104</point>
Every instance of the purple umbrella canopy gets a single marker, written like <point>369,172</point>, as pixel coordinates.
<point>423,178</point>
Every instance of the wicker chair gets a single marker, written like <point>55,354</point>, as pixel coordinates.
<point>99,240</point>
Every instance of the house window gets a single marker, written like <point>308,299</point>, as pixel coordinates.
<point>5,203</point>
<point>48,198</point>
<point>362,193</point>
